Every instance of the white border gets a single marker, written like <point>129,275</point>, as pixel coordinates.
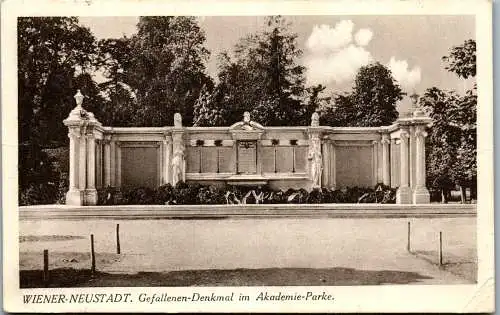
<point>400,298</point>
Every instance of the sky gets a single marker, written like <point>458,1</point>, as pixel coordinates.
<point>335,47</point>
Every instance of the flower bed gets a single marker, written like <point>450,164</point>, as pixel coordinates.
<point>197,194</point>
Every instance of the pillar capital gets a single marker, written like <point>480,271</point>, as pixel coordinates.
<point>404,135</point>
<point>421,133</point>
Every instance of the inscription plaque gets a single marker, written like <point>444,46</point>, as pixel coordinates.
<point>247,157</point>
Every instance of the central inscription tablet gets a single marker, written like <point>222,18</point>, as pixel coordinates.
<point>247,157</point>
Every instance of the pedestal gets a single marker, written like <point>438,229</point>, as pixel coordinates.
<point>90,197</point>
<point>421,195</point>
<point>74,198</point>
<point>403,195</point>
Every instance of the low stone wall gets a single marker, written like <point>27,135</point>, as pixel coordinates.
<point>51,212</point>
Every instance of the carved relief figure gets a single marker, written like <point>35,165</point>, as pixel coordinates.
<point>315,162</point>
<point>178,162</point>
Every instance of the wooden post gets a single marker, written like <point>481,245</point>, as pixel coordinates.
<point>118,238</point>
<point>46,267</point>
<point>92,254</point>
<point>440,248</point>
<point>408,245</point>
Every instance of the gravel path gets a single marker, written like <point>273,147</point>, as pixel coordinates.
<point>364,244</point>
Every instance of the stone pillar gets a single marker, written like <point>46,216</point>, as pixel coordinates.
<point>112,159</point>
<point>118,165</point>
<point>74,195</point>
<point>326,163</point>
<point>82,125</point>
<point>107,161</point>
<point>91,192</point>
<point>375,163</point>
<point>412,155</point>
<point>333,169</point>
<point>420,193</point>
<point>386,166</point>
<point>403,194</point>
<point>166,159</point>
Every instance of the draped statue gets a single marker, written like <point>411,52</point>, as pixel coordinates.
<point>178,163</point>
<point>315,162</point>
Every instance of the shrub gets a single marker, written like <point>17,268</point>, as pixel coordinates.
<point>315,196</point>
<point>164,194</point>
<point>38,194</point>
<point>139,196</point>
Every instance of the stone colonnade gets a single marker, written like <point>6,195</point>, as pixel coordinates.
<point>396,154</point>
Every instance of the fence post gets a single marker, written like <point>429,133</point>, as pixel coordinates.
<point>408,245</point>
<point>46,267</point>
<point>118,238</point>
<point>440,248</point>
<point>92,254</point>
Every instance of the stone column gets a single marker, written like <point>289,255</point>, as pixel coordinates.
<point>91,192</point>
<point>326,163</point>
<point>412,157</point>
<point>386,166</point>
<point>333,169</point>
<point>166,159</point>
<point>82,163</point>
<point>403,194</point>
<point>107,161</point>
<point>112,159</point>
<point>81,124</point>
<point>74,196</point>
<point>375,163</point>
<point>118,165</point>
<point>420,193</point>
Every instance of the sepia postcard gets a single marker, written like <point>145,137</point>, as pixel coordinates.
<point>247,156</point>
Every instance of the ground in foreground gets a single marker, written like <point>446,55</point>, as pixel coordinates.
<point>235,277</point>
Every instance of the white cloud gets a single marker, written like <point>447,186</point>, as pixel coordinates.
<point>363,36</point>
<point>339,66</point>
<point>407,78</point>
<point>332,56</point>
<point>325,38</point>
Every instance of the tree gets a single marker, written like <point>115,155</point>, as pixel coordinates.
<point>262,78</point>
<point>55,55</point>
<point>166,68</point>
<point>452,139</point>
<point>375,94</point>
<point>51,52</point>
<point>462,59</point>
<point>371,103</point>
<point>442,141</point>
<point>120,104</point>
<point>340,112</point>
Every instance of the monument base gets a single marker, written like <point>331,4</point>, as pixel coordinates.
<point>74,198</point>
<point>421,195</point>
<point>403,195</point>
<point>90,197</point>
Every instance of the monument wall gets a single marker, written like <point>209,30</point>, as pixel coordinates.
<point>246,153</point>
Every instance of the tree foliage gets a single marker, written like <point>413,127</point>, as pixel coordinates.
<point>371,103</point>
<point>264,78</point>
<point>52,51</point>
<point>452,143</point>
<point>55,55</point>
<point>157,72</point>
<point>462,59</point>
